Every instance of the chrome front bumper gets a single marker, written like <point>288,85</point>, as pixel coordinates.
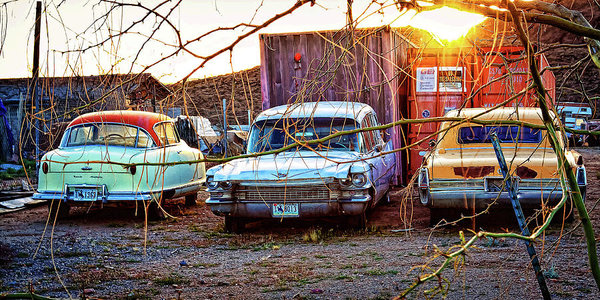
<point>306,209</point>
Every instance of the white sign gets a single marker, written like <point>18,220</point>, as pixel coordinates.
<point>451,79</point>
<point>427,79</point>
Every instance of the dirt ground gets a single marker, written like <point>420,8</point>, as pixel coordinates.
<point>110,254</point>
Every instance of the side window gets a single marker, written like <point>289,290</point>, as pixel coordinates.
<point>144,141</point>
<point>376,134</point>
<point>367,135</point>
<point>166,133</point>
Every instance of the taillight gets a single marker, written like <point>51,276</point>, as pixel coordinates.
<point>132,170</point>
<point>45,168</point>
<point>424,178</point>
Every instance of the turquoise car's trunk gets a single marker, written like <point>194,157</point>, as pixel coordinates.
<point>90,165</point>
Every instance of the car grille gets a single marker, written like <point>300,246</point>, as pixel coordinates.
<point>282,193</point>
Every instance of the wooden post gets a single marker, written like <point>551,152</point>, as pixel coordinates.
<point>35,74</point>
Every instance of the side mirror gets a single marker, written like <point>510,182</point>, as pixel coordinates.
<point>432,143</point>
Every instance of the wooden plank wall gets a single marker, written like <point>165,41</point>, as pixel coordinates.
<point>364,65</point>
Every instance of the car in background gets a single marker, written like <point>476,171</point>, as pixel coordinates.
<point>115,157</point>
<point>342,176</point>
<point>462,172</point>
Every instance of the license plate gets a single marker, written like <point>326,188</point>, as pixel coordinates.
<point>496,184</point>
<point>285,210</point>
<point>85,194</point>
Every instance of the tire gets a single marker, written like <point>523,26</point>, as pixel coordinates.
<point>58,209</point>
<point>357,222</point>
<point>438,214</point>
<point>386,200</point>
<point>155,212</point>
<point>190,200</point>
<point>234,224</point>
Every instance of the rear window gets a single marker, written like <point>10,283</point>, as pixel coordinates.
<point>506,134</point>
<point>107,134</point>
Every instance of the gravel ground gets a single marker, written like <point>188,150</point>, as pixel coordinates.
<point>111,253</point>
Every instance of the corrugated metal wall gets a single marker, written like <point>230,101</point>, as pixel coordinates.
<point>364,65</point>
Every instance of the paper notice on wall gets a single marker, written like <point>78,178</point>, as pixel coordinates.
<point>427,79</point>
<point>451,79</point>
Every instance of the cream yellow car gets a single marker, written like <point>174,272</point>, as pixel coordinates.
<point>118,157</point>
<point>462,171</point>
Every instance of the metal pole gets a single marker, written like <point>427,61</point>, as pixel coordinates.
<point>535,263</point>
<point>36,74</point>
<point>225,127</point>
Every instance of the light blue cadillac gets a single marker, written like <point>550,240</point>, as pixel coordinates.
<point>343,176</point>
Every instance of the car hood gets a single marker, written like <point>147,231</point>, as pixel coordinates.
<point>290,166</point>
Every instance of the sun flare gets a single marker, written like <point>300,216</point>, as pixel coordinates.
<point>444,23</point>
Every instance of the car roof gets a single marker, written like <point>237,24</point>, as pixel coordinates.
<point>336,109</point>
<point>527,114</point>
<point>143,119</point>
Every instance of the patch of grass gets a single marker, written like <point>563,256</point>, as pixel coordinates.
<point>137,295</point>
<point>347,267</point>
<point>376,272</point>
<point>551,273</point>
<point>344,277</point>
<point>319,256</point>
<point>195,228</point>
<point>215,234</point>
<point>69,254</point>
<point>22,255</point>
<point>313,236</point>
<point>171,279</point>
<point>372,254</point>
<point>251,272</point>
<point>206,265</point>
<point>266,246</point>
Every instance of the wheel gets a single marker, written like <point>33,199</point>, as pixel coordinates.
<point>358,222</point>
<point>234,224</point>
<point>190,200</point>
<point>58,209</point>
<point>436,215</point>
<point>155,212</point>
<point>386,200</point>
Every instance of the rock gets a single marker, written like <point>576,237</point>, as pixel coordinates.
<point>88,291</point>
<point>316,291</point>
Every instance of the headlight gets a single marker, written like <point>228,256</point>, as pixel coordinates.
<point>359,179</point>
<point>226,185</point>
<point>345,182</point>
<point>211,183</point>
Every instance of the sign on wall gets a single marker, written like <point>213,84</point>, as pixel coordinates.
<point>427,79</point>
<point>451,79</point>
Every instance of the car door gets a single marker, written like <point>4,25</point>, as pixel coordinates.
<point>372,146</point>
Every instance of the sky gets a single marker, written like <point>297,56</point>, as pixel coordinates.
<point>69,25</point>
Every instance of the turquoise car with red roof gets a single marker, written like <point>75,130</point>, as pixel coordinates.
<point>107,158</point>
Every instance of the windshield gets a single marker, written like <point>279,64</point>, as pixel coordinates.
<point>274,134</point>
<point>107,134</point>
<point>506,134</point>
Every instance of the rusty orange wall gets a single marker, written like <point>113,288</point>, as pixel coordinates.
<point>482,86</point>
